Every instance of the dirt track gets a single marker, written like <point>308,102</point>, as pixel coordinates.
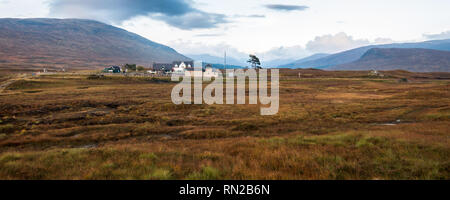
<point>8,82</point>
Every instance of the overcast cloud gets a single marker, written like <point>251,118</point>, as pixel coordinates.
<point>281,7</point>
<point>177,13</point>
<point>335,43</point>
<point>439,36</point>
<point>271,29</point>
<point>321,44</point>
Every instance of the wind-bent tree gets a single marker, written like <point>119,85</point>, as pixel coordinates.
<point>140,68</point>
<point>130,67</point>
<point>256,64</point>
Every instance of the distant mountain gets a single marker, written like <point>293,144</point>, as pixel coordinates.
<point>354,54</point>
<point>221,66</point>
<point>75,43</point>
<point>417,60</point>
<point>215,59</point>
<point>303,60</point>
<point>234,62</point>
<point>276,62</point>
<point>217,62</point>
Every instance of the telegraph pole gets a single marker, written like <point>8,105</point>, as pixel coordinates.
<point>225,60</point>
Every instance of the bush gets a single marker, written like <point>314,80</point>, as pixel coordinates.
<point>140,68</point>
<point>26,84</point>
<point>8,128</point>
<point>95,77</point>
<point>403,80</point>
<point>131,67</point>
<point>245,127</point>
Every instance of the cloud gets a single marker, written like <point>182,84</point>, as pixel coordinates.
<point>281,7</point>
<point>177,13</point>
<point>321,44</point>
<point>256,16</point>
<point>193,48</point>
<point>209,35</point>
<point>250,16</point>
<point>439,36</point>
<point>334,43</point>
<point>281,55</point>
<point>292,52</point>
<point>194,20</point>
<point>383,41</point>
<point>271,58</point>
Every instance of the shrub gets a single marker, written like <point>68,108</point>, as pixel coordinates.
<point>245,126</point>
<point>95,77</point>
<point>8,128</point>
<point>131,67</point>
<point>403,80</point>
<point>140,68</point>
<point>161,174</point>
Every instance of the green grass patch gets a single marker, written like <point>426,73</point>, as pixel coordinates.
<point>31,84</point>
<point>161,174</point>
<point>207,173</point>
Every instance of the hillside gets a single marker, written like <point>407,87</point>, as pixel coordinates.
<point>307,59</point>
<point>417,60</point>
<point>75,43</point>
<point>353,126</point>
<point>216,60</point>
<point>355,54</point>
<point>276,62</point>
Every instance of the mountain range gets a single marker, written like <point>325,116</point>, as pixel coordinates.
<point>304,60</point>
<point>342,60</point>
<point>86,44</point>
<point>215,59</point>
<point>75,43</point>
<point>416,60</point>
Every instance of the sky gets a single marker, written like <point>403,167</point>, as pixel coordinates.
<point>271,29</point>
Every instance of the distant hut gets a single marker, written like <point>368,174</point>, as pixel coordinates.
<point>162,67</point>
<point>375,73</point>
<point>112,69</point>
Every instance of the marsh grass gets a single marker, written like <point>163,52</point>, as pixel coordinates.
<point>331,125</point>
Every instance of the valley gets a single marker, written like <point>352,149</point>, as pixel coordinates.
<point>331,125</point>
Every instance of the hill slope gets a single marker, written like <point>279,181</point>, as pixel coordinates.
<point>418,60</point>
<point>216,60</point>
<point>355,54</point>
<point>303,60</point>
<point>75,43</point>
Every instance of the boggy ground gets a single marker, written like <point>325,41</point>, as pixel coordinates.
<point>331,125</point>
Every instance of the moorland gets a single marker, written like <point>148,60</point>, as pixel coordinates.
<point>330,125</point>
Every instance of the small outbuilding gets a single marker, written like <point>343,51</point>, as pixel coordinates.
<point>112,69</point>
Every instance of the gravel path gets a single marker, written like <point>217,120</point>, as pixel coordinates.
<point>10,81</point>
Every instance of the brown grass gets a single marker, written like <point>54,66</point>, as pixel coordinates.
<point>331,125</point>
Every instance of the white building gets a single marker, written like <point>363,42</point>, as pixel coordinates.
<point>179,69</point>
<point>196,71</point>
<point>211,72</point>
